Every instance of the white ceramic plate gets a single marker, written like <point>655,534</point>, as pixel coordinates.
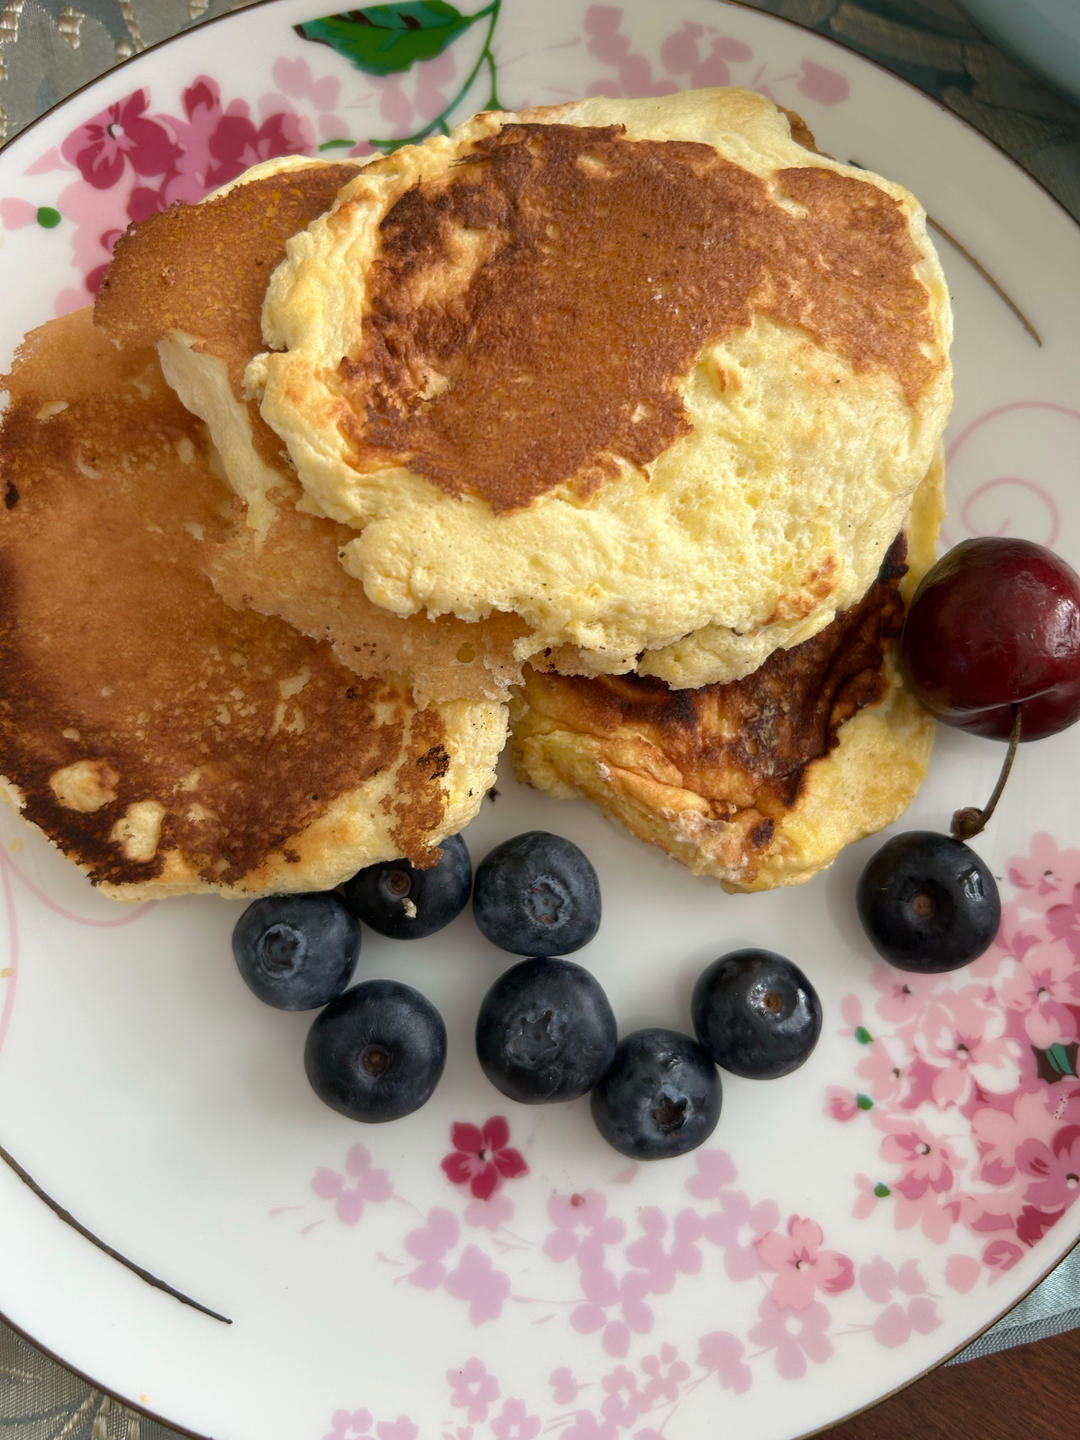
<point>848,1226</point>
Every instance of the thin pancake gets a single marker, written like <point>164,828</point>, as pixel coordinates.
<point>587,350</point>
<point>165,742</point>
<point>760,782</point>
<point>191,279</point>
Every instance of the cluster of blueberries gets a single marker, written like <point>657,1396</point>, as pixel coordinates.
<point>545,1031</point>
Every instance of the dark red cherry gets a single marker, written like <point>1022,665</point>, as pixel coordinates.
<point>995,624</point>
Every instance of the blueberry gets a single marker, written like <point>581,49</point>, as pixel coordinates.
<point>660,1096</point>
<point>545,1032</point>
<point>927,902</point>
<point>296,951</point>
<point>398,900</point>
<point>756,1014</point>
<point>537,895</point>
<point>376,1052</point>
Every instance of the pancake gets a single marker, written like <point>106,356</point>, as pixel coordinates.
<point>659,378</point>
<point>163,741</point>
<point>191,280</point>
<point>762,781</point>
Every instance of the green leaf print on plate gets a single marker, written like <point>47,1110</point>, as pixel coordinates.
<point>388,39</point>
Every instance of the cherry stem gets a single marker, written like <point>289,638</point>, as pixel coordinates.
<point>970,821</point>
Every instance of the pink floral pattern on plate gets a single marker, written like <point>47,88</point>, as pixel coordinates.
<point>965,1087</point>
<point>132,161</point>
<point>968,1084</point>
<point>971,1079</point>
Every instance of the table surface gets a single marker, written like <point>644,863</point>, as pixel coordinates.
<point>48,49</point>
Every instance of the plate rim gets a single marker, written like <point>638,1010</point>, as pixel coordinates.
<point>206,21</point>
<point>859,57</point>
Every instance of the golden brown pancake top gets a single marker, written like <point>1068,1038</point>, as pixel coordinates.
<point>531,315</point>
<point>124,679</point>
<point>746,745</point>
<point>204,270</point>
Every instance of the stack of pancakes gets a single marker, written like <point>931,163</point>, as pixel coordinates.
<point>621,419</point>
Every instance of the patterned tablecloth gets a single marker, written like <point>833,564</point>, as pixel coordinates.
<point>49,48</point>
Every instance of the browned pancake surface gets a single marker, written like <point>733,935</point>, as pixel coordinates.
<point>202,270</point>
<point>742,750</point>
<point>125,681</point>
<point>651,249</point>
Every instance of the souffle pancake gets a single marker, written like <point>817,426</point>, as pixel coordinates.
<point>761,781</point>
<point>164,741</point>
<point>650,375</point>
<point>191,280</point>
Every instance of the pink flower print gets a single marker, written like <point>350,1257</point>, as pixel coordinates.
<point>1048,871</point>
<point>903,998</point>
<point>637,1315</point>
<point>118,137</point>
<point>473,1389</point>
<point>477,1281</point>
<point>585,1426</point>
<point>988,1210</point>
<point>715,1171</point>
<point>823,84</point>
<point>482,1157</point>
<point>602,1291</point>
<point>962,1273</point>
<point>295,78</point>
<point>868,1198</point>
<point>899,1317</point>
<point>795,1336</point>
<point>852,1011</point>
<point>662,1266</point>
<point>934,1215</point>
<point>349,1426</point>
<point>894,1325</point>
<point>515,1422</point>
<point>927,1162</point>
<point>681,55</point>
<point>220,141</point>
<point>999,1133</point>
<point>721,1354</point>
<point>1001,1255</point>
<point>1054,1168</point>
<point>16,214</point>
<point>85,208</point>
<point>237,143</point>
<point>666,1374</point>
<point>737,1226</point>
<point>491,1214</point>
<point>429,1245</point>
<point>1063,921</point>
<point>1033,1223</point>
<point>582,1227</point>
<point>606,41</point>
<point>965,1041</point>
<point>840,1103</point>
<point>1041,986</point>
<point>370,1185</point>
<point>801,1266</point>
<point>564,1387</point>
<point>400,1429</point>
<point>623,1402</point>
<point>887,1070</point>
